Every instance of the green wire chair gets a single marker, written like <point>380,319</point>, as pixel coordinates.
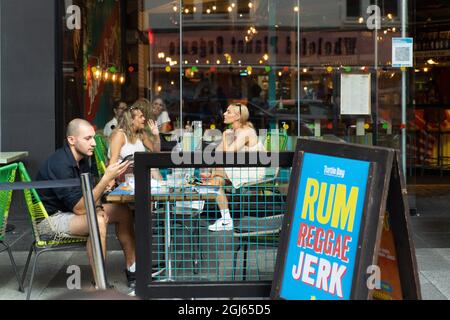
<point>282,142</point>
<point>100,162</point>
<point>53,241</point>
<point>101,154</point>
<point>102,145</point>
<point>7,174</point>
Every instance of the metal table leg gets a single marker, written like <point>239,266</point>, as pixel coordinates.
<point>167,244</point>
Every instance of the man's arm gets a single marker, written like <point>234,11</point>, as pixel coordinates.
<point>112,172</point>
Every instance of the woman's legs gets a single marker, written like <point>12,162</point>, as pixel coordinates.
<point>217,178</point>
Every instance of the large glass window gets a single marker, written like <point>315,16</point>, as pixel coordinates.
<point>284,59</point>
<point>284,62</point>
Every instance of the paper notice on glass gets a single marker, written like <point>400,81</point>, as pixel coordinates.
<point>355,94</point>
<point>402,52</point>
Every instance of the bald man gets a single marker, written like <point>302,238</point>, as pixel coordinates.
<point>66,207</point>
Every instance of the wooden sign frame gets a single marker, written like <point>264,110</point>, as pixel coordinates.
<point>383,164</point>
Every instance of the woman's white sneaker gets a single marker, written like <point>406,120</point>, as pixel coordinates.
<point>222,225</point>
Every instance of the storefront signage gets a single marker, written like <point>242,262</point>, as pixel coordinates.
<point>308,47</point>
<point>327,218</point>
<point>334,47</point>
<point>332,232</point>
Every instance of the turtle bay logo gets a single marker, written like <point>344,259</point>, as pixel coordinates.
<point>210,155</point>
<point>333,172</point>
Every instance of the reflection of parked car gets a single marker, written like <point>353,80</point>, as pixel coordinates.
<point>287,111</point>
<point>309,110</point>
<point>283,111</point>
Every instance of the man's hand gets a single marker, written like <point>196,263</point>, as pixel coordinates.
<point>114,170</point>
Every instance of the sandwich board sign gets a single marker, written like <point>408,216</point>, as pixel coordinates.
<point>346,233</point>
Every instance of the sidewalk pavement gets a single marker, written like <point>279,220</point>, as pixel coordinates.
<point>431,236</point>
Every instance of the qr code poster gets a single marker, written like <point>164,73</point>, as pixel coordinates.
<point>402,52</point>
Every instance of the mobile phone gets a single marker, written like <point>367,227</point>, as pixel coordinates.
<point>127,158</point>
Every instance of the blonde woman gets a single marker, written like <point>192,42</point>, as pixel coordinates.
<point>130,136</point>
<point>241,137</point>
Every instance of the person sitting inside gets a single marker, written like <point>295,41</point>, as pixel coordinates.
<point>66,206</point>
<point>158,113</point>
<point>118,109</point>
<point>241,137</point>
<point>131,136</point>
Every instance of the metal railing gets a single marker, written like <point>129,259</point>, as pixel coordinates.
<point>204,263</point>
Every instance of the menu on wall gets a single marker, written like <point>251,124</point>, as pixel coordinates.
<point>355,94</point>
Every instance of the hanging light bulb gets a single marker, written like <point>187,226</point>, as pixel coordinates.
<point>122,79</point>
<point>106,75</point>
<point>98,73</point>
<point>250,5</point>
<point>114,77</point>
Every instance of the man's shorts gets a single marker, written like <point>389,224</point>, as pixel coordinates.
<point>60,222</point>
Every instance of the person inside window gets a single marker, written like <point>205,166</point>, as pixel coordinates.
<point>118,109</point>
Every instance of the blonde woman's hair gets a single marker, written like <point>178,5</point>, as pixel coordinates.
<point>244,113</point>
<point>126,123</point>
<point>145,106</point>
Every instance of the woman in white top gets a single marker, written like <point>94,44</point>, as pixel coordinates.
<point>130,136</point>
<point>158,113</point>
<point>241,137</point>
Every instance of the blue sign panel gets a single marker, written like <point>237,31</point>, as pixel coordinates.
<point>323,241</point>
